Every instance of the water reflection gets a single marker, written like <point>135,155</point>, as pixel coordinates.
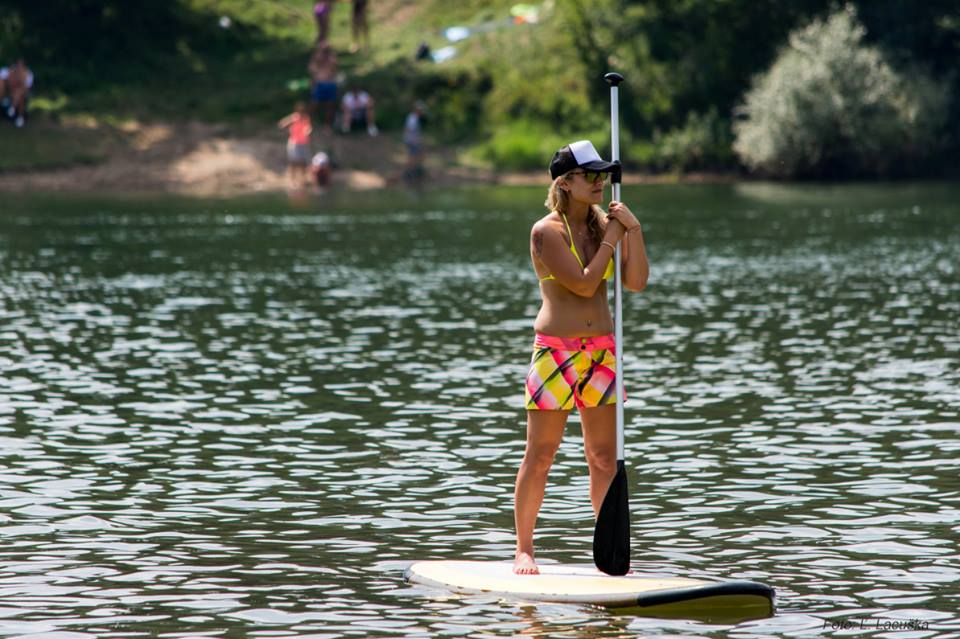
<point>242,415</point>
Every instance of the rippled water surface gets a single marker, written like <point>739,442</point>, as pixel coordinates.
<point>246,417</point>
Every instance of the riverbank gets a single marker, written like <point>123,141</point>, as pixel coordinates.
<point>195,158</point>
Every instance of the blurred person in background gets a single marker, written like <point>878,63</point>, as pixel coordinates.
<point>323,73</point>
<point>320,169</point>
<point>18,82</point>
<point>359,27</point>
<point>321,14</point>
<point>413,143</point>
<point>358,112</point>
<point>298,144</point>
<point>4,98</point>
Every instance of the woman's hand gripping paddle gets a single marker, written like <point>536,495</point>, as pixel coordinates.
<point>611,537</point>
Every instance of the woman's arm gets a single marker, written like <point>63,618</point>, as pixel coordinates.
<point>635,266</point>
<point>552,250</point>
<point>636,270</point>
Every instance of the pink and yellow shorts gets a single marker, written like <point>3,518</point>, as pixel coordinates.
<point>572,371</point>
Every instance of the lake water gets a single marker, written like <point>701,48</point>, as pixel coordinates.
<point>246,417</point>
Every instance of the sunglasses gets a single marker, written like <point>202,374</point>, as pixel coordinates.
<point>591,176</point>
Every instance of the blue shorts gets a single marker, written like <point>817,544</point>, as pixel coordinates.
<point>324,92</point>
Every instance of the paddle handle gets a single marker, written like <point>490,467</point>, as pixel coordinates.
<point>614,80</point>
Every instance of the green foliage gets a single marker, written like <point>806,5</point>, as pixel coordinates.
<point>832,105</point>
<point>528,145</point>
<point>535,78</point>
<point>607,35</point>
<point>146,59</point>
<point>454,97</point>
<point>82,42</point>
<point>702,143</point>
<point>687,64</point>
<point>11,35</point>
<point>679,56</point>
<point>694,56</point>
<point>520,145</point>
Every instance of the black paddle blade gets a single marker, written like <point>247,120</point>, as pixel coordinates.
<point>611,537</point>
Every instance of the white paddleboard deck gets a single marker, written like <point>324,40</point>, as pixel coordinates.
<point>584,584</point>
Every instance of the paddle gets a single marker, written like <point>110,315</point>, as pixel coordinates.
<point>611,536</point>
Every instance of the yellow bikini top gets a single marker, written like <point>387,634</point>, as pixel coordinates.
<point>573,249</point>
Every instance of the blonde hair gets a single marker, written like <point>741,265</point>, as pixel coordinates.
<point>559,200</point>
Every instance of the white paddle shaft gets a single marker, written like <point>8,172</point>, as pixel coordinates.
<point>617,285</point>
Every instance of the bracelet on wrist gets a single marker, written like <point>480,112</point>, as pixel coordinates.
<point>612,247</point>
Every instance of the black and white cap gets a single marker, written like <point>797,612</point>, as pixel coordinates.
<point>579,155</point>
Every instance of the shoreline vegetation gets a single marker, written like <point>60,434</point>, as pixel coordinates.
<point>184,97</point>
<point>195,158</point>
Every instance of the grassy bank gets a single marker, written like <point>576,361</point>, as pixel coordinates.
<point>241,65</point>
<point>517,81</point>
<point>247,74</point>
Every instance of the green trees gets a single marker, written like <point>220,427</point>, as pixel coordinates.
<point>840,99</point>
<point>687,63</point>
<point>833,106</point>
<point>836,98</point>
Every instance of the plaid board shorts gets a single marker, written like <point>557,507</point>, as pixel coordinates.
<point>571,371</point>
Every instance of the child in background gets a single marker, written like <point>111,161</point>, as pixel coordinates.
<point>298,144</point>
<point>320,169</point>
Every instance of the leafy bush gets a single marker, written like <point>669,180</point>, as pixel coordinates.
<point>832,105</point>
<point>702,143</point>
<point>529,144</point>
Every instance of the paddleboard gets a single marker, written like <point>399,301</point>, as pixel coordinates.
<point>584,584</point>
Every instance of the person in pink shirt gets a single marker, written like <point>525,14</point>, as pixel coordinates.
<point>298,144</point>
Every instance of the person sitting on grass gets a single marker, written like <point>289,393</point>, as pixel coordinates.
<point>298,144</point>
<point>358,112</point>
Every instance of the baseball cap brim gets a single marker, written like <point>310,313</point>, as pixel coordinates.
<point>600,165</point>
<point>580,155</point>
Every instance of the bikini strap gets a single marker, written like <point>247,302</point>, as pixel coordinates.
<point>573,247</point>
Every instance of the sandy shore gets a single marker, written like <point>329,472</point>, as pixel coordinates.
<point>208,160</point>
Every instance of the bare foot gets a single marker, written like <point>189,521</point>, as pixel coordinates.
<point>524,564</point>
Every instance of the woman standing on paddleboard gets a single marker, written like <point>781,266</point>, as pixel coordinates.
<point>573,364</point>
